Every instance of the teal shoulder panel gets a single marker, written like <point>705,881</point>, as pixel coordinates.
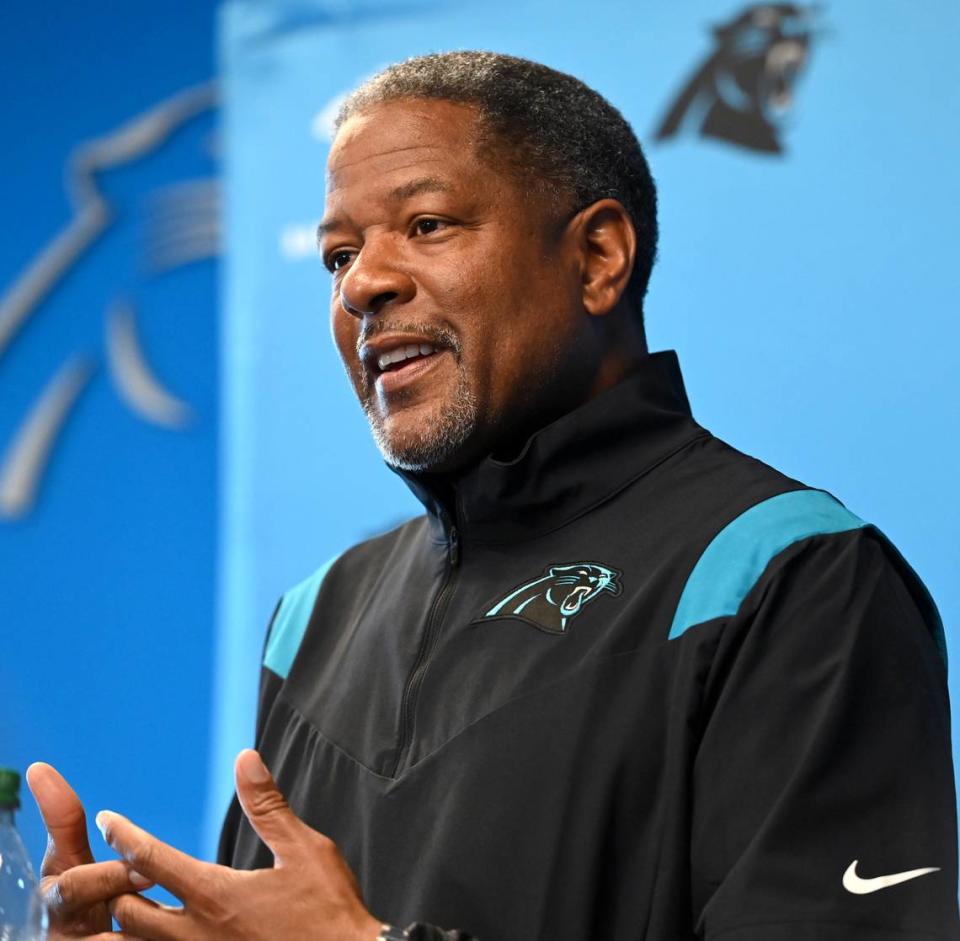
<point>291,621</point>
<point>739,553</point>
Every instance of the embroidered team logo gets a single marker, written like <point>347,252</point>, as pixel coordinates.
<point>550,601</point>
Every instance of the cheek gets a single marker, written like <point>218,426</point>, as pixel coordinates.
<point>460,286</point>
<point>488,287</point>
<point>481,308</point>
<point>517,313</point>
<point>344,329</point>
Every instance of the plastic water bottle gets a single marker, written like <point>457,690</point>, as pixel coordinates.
<point>22,914</point>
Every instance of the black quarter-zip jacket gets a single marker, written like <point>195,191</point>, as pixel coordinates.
<point>631,685</point>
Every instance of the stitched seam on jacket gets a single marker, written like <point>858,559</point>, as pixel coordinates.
<point>311,727</point>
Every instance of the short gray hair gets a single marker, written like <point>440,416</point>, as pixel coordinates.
<point>549,125</point>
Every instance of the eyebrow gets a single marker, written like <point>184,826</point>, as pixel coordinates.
<point>426,184</point>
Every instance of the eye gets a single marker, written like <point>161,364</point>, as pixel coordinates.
<point>429,225</point>
<point>336,260</point>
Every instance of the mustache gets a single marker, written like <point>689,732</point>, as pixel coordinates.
<point>440,337</point>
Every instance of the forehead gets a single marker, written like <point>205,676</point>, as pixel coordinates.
<point>380,146</point>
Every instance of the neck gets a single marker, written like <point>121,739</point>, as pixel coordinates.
<point>607,354</point>
<point>623,350</point>
<point>622,362</point>
<point>574,462</point>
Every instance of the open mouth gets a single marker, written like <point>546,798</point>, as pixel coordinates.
<point>784,61</point>
<point>403,357</point>
<point>571,604</point>
<point>393,364</point>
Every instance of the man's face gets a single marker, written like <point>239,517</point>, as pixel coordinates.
<point>455,306</point>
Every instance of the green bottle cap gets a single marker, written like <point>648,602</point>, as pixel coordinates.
<point>9,789</point>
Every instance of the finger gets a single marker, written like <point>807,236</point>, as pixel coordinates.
<point>103,936</point>
<point>151,857</point>
<point>144,917</point>
<point>55,935</point>
<point>63,817</point>
<point>111,936</point>
<point>266,808</point>
<point>86,885</point>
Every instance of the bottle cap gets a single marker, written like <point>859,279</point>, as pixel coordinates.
<point>9,789</point>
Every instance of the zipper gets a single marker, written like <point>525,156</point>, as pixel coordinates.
<point>408,703</point>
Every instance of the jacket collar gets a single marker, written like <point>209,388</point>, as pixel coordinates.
<point>572,464</point>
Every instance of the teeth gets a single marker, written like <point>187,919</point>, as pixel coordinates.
<point>404,352</point>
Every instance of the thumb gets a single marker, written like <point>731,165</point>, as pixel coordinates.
<point>63,817</point>
<point>266,808</point>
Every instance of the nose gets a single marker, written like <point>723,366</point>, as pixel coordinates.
<point>375,279</point>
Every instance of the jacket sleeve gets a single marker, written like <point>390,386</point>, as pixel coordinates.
<point>269,687</point>
<point>823,792</point>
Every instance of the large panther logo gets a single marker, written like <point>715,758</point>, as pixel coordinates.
<point>174,224</point>
<point>550,601</point>
<point>745,87</point>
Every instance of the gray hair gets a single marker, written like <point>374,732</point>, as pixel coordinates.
<point>560,134</point>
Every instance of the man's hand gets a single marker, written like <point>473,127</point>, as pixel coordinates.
<point>75,887</point>
<point>309,893</point>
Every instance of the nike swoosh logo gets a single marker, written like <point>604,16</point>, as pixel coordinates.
<point>853,883</point>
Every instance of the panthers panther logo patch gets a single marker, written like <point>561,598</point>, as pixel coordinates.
<point>550,601</point>
<point>744,88</point>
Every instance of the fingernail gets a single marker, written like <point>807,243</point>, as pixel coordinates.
<point>254,768</point>
<point>37,782</point>
<point>102,819</point>
<point>140,881</point>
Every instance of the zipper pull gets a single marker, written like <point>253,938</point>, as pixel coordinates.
<point>454,547</point>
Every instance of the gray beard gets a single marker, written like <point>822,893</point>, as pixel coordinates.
<point>438,441</point>
<point>435,443</point>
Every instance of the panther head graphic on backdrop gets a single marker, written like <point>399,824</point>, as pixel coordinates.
<point>550,601</point>
<point>743,90</point>
<point>177,218</point>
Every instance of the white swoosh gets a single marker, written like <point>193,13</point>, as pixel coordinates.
<point>853,883</point>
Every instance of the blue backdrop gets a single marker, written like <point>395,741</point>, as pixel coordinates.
<point>109,403</point>
<point>172,460</point>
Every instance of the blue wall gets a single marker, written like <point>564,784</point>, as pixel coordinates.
<point>107,570</point>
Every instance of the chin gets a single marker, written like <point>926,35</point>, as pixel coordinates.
<point>422,442</point>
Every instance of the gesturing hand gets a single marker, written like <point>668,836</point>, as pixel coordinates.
<point>75,887</point>
<point>310,892</point>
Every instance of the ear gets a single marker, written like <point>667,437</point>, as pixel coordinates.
<point>607,245</point>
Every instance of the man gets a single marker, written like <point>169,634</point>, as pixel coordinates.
<point>620,681</point>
